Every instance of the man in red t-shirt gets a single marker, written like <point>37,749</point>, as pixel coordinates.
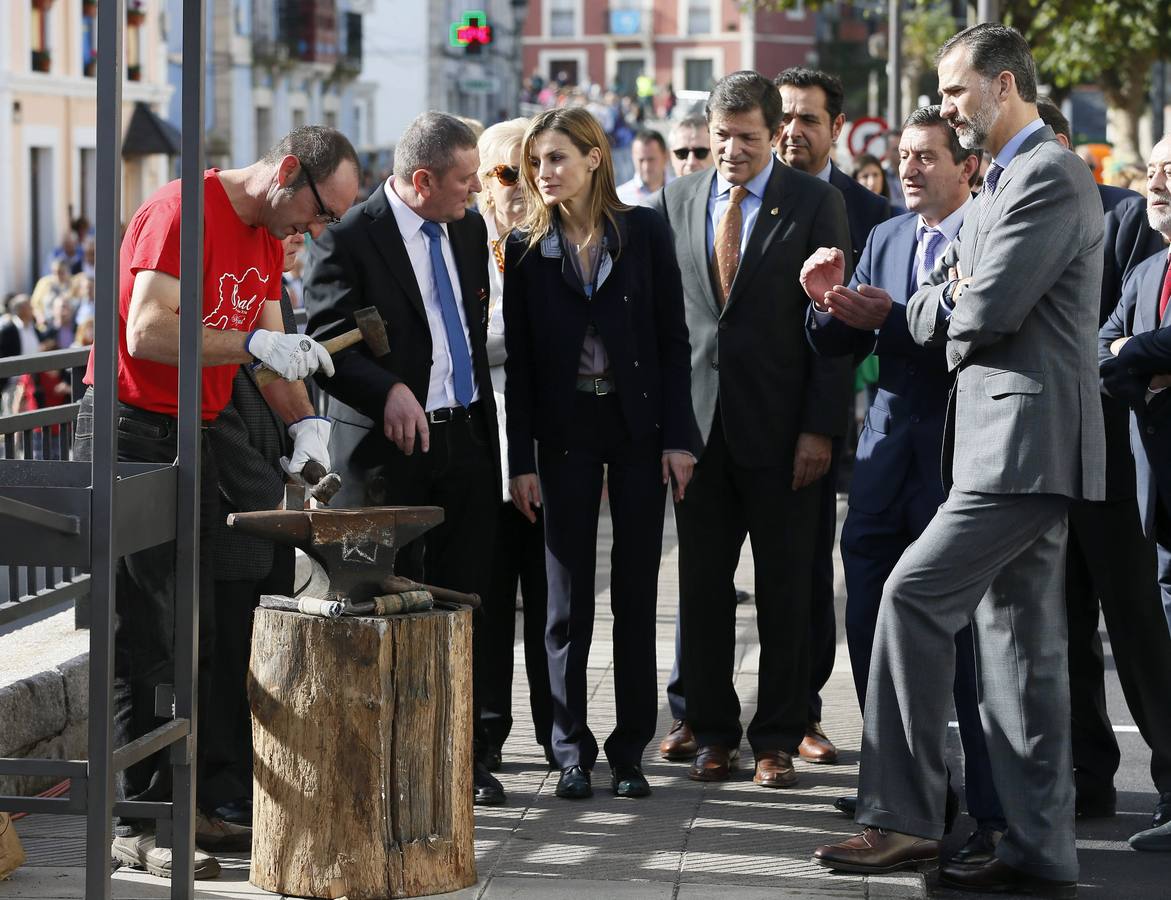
<point>300,186</point>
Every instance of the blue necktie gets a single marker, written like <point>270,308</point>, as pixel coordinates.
<point>991,177</point>
<point>457,345</point>
<point>931,241</point>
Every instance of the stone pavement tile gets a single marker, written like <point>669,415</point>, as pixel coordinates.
<point>789,889</point>
<point>576,889</point>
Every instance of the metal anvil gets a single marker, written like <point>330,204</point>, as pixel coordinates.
<point>356,547</point>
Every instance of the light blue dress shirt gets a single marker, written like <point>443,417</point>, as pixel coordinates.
<point>721,196</point>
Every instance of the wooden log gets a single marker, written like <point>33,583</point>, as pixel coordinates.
<point>362,735</point>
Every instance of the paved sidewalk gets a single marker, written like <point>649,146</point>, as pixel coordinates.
<point>687,841</point>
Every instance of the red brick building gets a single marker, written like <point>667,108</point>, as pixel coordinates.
<point>685,43</point>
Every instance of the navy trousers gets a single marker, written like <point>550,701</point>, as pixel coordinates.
<point>871,546</point>
<point>571,492</point>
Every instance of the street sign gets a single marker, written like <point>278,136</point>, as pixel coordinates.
<point>863,132</point>
<point>487,85</point>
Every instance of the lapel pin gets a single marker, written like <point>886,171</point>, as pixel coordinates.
<point>774,211</point>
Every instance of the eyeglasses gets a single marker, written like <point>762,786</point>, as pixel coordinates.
<point>322,213</point>
<point>506,175</point>
<point>683,152</point>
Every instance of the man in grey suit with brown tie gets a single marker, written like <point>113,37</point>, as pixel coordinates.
<point>1015,304</point>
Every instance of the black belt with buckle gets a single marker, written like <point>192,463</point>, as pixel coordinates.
<point>450,414</point>
<point>599,387</point>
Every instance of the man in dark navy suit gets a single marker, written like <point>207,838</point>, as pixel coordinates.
<point>1111,563</point>
<point>812,121</point>
<point>897,484</point>
<point>1135,357</point>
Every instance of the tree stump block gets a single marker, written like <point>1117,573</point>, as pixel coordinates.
<point>362,735</point>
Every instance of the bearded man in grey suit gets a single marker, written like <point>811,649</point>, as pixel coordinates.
<point>1015,303</point>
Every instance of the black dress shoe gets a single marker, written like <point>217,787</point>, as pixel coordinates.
<point>847,805</point>
<point>574,784</point>
<point>238,812</point>
<point>628,781</point>
<point>1162,810</point>
<point>979,848</point>
<point>998,877</point>
<point>487,790</point>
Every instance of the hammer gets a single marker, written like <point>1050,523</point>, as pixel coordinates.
<point>371,329</point>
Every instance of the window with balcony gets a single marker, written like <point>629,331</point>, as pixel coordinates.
<point>699,17</point>
<point>39,38</point>
<point>89,37</point>
<point>563,18</point>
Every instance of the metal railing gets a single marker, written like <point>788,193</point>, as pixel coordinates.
<point>42,434</point>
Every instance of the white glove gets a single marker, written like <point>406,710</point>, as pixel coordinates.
<point>292,356</point>
<point>310,441</point>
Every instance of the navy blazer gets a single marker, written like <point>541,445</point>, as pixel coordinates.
<point>638,312</point>
<point>905,424</point>
<point>1128,241</point>
<point>1126,377</point>
<point>864,209</point>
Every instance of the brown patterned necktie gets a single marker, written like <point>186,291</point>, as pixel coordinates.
<point>727,243</point>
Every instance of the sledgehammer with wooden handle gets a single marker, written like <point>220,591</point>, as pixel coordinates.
<point>371,329</point>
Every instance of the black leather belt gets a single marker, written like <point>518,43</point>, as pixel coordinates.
<point>598,386</point>
<point>451,414</point>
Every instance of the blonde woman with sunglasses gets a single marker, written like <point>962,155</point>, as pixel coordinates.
<point>518,558</point>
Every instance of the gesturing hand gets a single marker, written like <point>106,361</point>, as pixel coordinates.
<point>825,268</point>
<point>403,418</point>
<point>865,308</point>
<point>526,495</point>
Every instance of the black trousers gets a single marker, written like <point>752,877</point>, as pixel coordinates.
<point>144,609</point>
<point>518,560</point>
<point>227,734</point>
<point>1111,563</point>
<point>571,491</point>
<point>726,502</point>
<point>459,474</point>
<point>823,625</point>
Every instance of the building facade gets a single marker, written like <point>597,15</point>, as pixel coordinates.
<point>274,65</point>
<point>684,44</point>
<point>48,116</point>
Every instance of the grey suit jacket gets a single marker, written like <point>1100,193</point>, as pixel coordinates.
<point>1024,415</point>
<point>752,356</point>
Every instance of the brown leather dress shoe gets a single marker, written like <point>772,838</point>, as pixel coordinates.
<point>816,747</point>
<point>679,744</point>
<point>713,763</point>
<point>774,769</point>
<point>998,877</point>
<point>876,850</point>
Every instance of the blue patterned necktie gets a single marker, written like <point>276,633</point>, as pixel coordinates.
<point>457,344</point>
<point>931,241</point>
<point>990,178</point>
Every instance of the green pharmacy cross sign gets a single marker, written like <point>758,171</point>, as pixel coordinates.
<point>472,30</point>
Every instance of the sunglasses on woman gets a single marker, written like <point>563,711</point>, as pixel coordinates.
<point>683,152</point>
<point>506,175</point>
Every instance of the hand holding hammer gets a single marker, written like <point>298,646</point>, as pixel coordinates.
<point>371,330</point>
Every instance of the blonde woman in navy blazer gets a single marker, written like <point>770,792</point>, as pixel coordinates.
<point>597,385</point>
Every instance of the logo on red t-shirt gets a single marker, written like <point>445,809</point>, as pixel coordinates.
<point>238,300</point>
